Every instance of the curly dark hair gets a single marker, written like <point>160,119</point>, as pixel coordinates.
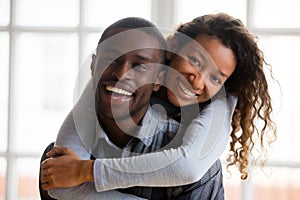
<point>248,83</point>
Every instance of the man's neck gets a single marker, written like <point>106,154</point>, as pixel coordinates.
<point>119,136</point>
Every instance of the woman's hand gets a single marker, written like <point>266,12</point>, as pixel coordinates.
<point>65,169</point>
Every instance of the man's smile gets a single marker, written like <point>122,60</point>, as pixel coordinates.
<point>116,90</point>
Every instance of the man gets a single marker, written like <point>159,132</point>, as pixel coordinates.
<point>124,75</point>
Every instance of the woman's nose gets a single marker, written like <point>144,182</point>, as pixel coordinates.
<point>197,82</point>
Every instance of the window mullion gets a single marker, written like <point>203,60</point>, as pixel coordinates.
<point>11,172</point>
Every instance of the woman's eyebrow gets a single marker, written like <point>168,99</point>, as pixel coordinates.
<point>222,73</point>
<point>202,55</point>
<point>206,59</point>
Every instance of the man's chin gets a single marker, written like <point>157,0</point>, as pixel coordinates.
<point>116,116</point>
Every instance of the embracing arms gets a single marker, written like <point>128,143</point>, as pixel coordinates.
<point>204,141</point>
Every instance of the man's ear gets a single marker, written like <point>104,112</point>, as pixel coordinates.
<point>171,46</point>
<point>93,63</point>
<point>160,80</point>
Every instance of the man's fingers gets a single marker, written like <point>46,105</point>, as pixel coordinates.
<point>57,151</point>
<point>45,164</point>
<point>45,179</point>
<point>46,184</point>
<point>51,153</point>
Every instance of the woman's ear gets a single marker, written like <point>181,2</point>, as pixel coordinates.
<point>93,63</point>
<point>160,80</point>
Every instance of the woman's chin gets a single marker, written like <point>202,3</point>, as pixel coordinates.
<point>181,103</point>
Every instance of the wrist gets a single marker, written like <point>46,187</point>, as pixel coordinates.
<point>87,170</point>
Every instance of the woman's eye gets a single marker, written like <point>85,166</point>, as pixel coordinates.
<point>194,61</point>
<point>216,80</point>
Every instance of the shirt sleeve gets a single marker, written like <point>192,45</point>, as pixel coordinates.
<point>204,141</point>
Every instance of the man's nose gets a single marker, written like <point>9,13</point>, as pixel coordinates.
<point>197,81</point>
<point>122,70</point>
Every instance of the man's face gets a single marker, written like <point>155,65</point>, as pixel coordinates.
<point>127,68</point>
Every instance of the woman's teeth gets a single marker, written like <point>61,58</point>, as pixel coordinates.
<point>185,90</point>
<point>118,90</point>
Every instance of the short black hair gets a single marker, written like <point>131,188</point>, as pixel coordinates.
<point>136,23</point>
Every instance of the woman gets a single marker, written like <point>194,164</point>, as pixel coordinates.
<point>239,69</point>
<point>247,81</point>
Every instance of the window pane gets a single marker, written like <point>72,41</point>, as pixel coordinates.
<point>28,173</point>
<point>279,183</point>
<point>103,13</point>
<point>2,178</point>
<point>232,182</point>
<point>4,52</point>
<point>4,12</point>
<point>92,41</point>
<point>188,10</point>
<point>45,73</point>
<point>286,108</point>
<point>280,13</point>
<point>47,13</point>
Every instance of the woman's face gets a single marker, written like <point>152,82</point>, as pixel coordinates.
<point>201,77</point>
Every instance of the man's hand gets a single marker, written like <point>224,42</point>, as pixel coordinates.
<point>65,169</point>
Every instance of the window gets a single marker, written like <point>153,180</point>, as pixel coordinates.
<point>41,53</point>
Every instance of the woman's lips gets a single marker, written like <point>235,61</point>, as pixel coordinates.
<point>185,90</point>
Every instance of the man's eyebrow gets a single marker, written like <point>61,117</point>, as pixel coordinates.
<point>144,58</point>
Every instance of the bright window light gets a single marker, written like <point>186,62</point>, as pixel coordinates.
<point>4,12</point>
<point>47,13</point>
<point>188,10</point>
<point>4,75</point>
<point>104,13</point>
<point>286,71</point>
<point>47,66</point>
<point>2,178</point>
<point>276,14</point>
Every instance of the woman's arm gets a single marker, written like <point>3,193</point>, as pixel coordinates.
<point>203,143</point>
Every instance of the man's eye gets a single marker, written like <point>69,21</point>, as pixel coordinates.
<point>140,66</point>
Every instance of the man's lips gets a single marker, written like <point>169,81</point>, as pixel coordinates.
<point>119,91</point>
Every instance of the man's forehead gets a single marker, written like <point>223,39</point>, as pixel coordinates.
<point>129,40</point>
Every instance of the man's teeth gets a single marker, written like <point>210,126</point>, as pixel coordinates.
<point>185,90</point>
<point>118,90</point>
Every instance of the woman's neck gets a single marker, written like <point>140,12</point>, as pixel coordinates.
<point>162,94</point>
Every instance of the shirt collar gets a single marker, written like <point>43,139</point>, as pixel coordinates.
<point>145,134</point>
